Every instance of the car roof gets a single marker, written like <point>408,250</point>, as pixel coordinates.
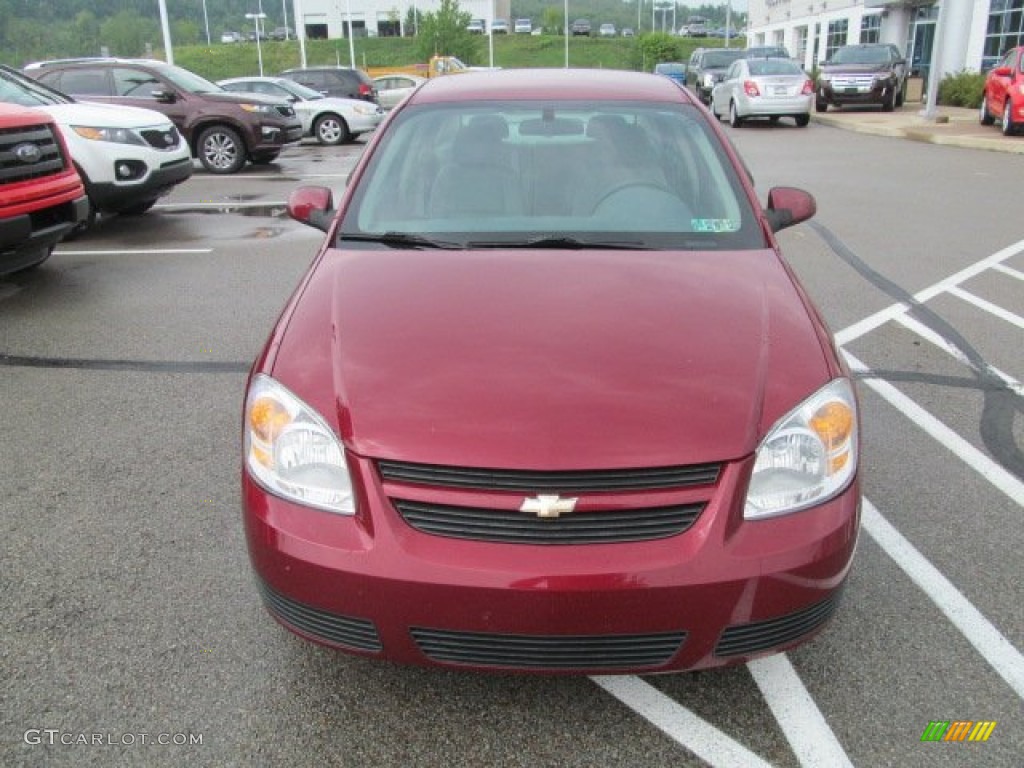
<point>90,61</point>
<point>560,84</point>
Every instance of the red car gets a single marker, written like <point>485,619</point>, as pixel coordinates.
<point>1003,97</point>
<point>549,399</point>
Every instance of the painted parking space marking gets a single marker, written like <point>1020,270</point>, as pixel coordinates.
<point>987,306</point>
<point>1009,271</point>
<point>954,351</point>
<point>676,721</point>
<point>880,318</point>
<point>976,459</point>
<point>806,729</point>
<point>1000,654</point>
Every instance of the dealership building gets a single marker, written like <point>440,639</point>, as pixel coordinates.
<point>329,19</point>
<point>968,34</point>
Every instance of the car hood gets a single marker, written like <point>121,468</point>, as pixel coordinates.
<point>106,115</point>
<point>551,358</point>
<point>243,98</point>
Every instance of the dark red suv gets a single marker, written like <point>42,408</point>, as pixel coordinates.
<point>224,129</point>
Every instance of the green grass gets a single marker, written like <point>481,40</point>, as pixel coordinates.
<point>510,51</point>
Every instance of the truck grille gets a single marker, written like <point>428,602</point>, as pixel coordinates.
<point>50,157</point>
<point>853,81</point>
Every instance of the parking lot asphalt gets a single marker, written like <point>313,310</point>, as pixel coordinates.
<point>950,126</point>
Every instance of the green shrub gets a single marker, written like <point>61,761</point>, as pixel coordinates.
<point>962,89</point>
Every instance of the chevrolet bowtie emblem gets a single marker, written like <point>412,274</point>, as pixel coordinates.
<point>548,506</point>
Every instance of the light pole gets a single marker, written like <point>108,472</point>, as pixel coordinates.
<point>206,21</point>
<point>259,33</point>
<point>166,27</point>
<point>565,29</point>
<point>284,15</point>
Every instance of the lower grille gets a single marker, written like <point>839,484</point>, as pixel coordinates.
<point>506,526</point>
<point>359,634</point>
<point>744,639</point>
<point>551,652</point>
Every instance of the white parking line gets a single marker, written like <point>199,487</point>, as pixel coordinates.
<point>988,306</point>
<point>883,316</point>
<point>813,742</point>
<point>952,349</point>
<point>679,723</point>
<point>979,631</point>
<point>158,251</point>
<point>1009,271</point>
<point>977,460</point>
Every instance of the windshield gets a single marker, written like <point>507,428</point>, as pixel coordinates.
<point>189,81</point>
<point>858,55</point>
<point>15,89</point>
<point>551,174</point>
<point>721,59</point>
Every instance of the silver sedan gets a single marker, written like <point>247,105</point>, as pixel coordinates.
<point>768,87</point>
<point>392,88</point>
<point>328,119</point>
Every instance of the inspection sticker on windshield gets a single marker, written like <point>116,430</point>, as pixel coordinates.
<point>714,225</point>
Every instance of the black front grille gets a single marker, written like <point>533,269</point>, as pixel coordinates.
<point>550,652</point>
<point>359,634</point>
<point>51,159</point>
<point>744,639</point>
<point>162,139</point>
<point>509,526</point>
<point>529,481</point>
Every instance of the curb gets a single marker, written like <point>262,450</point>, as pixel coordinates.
<point>962,131</point>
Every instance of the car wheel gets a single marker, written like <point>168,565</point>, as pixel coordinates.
<point>984,117</point>
<point>1007,121</point>
<point>821,106</point>
<point>802,120</point>
<point>734,119</point>
<point>138,209</point>
<point>221,150</point>
<point>900,95</point>
<point>331,130</point>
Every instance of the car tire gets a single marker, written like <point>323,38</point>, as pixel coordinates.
<point>1006,124</point>
<point>900,94</point>
<point>984,116</point>
<point>221,150</point>
<point>821,106</point>
<point>734,119</point>
<point>802,120</point>
<point>331,130</point>
<point>889,101</point>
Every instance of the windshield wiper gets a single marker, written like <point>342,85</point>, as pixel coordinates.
<point>563,242</point>
<point>402,240</point>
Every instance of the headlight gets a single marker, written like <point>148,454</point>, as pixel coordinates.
<point>709,80</point>
<point>261,109</point>
<point>824,76</point>
<point>369,109</point>
<point>808,457</point>
<point>115,135</point>
<point>290,450</point>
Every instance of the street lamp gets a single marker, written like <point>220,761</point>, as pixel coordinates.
<point>259,33</point>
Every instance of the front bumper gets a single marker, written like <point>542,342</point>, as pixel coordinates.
<point>721,592</point>
<point>27,239</point>
<point>115,196</point>
<point>877,93</point>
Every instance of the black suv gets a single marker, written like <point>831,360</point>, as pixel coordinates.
<point>873,73</point>
<point>342,82</point>
<point>223,129</point>
<point>707,66</point>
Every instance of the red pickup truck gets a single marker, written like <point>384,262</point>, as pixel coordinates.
<point>41,194</point>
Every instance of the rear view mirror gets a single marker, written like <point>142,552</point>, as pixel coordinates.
<point>788,206</point>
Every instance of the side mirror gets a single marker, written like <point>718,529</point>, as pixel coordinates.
<point>313,206</point>
<point>163,96</point>
<point>788,206</point>
<point>1002,71</point>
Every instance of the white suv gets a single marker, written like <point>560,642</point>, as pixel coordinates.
<point>127,157</point>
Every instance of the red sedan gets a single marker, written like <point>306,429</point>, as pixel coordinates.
<point>1003,98</point>
<point>549,399</point>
